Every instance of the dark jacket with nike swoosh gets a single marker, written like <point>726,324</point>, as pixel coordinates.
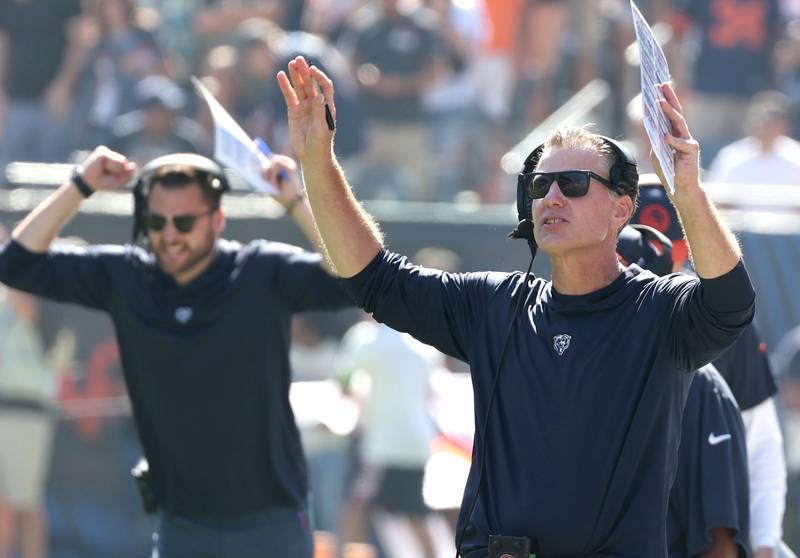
<point>711,489</point>
<point>583,439</point>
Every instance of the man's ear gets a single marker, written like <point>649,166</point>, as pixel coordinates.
<point>219,221</point>
<point>623,211</point>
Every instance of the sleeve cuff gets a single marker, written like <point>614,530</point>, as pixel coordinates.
<point>355,285</point>
<point>14,250</point>
<point>731,292</point>
<point>766,542</point>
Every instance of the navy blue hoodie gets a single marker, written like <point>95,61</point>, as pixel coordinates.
<point>583,438</point>
<point>206,364</point>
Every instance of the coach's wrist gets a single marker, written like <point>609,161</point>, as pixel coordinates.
<point>690,197</point>
<point>292,204</point>
<point>80,184</point>
<point>319,159</point>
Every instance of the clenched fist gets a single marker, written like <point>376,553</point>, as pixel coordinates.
<point>106,170</point>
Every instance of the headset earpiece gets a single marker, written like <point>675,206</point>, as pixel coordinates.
<point>624,173</point>
<point>524,203</point>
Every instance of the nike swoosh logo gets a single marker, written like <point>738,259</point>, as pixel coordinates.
<point>714,440</point>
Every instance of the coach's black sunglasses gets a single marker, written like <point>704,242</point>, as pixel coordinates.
<point>573,183</point>
<point>182,223</point>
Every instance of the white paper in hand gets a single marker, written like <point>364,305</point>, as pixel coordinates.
<point>654,71</point>
<point>233,147</point>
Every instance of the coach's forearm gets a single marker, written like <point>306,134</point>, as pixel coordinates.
<point>304,219</point>
<point>713,247</point>
<point>351,236</point>
<point>41,226</point>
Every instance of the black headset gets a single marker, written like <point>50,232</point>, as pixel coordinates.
<point>623,175</point>
<point>217,181</point>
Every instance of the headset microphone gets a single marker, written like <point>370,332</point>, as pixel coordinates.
<point>524,230</point>
<point>526,225</point>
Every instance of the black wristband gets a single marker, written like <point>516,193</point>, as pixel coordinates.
<point>80,183</point>
<point>289,207</point>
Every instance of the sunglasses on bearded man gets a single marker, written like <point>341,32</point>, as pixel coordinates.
<point>182,223</point>
<point>573,183</point>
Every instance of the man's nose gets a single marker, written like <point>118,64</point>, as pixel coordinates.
<point>554,194</point>
<point>170,232</point>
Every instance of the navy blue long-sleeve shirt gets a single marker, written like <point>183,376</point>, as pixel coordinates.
<point>583,438</point>
<point>206,363</point>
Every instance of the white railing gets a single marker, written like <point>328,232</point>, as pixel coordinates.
<point>768,209</point>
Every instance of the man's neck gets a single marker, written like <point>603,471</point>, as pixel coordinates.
<point>189,275</point>
<point>768,143</point>
<point>578,274</point>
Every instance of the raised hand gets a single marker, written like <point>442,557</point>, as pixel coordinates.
<point>282,172</point>
<point>687,150</point>
<point>102,170</point>
<point>308,128</point>
<point>107,170</point>
<point>714,249</point>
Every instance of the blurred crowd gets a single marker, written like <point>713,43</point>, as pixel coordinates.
<point>430,95</point>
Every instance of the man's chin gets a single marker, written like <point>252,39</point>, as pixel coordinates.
<point>553,246</point>
<point>169,265</point>
<point>548,241</point>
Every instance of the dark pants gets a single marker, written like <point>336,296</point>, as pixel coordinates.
<point>274,532</point>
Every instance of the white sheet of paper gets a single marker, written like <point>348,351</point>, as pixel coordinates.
<point>654,70</point>
<point>232,146</point>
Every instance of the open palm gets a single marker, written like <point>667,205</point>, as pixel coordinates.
<point>308,128</point>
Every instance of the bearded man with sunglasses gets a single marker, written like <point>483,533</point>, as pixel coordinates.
<point>203,329</point>
<point>580,380</point>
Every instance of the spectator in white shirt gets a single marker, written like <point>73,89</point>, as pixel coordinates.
<point>767,155</point>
